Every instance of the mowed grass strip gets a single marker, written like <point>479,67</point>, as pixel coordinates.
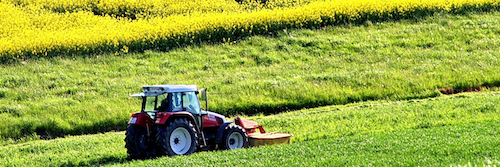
<point>292,69</point>
<point>468,138</point>
<point>381,117</point>
<point>466,144</point>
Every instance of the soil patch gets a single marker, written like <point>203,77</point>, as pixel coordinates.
<point>450,90</point>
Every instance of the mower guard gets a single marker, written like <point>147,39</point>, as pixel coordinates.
<point>262,138</point>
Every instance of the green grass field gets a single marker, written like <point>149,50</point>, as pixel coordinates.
<point>284,71</point>
<point>359,93</point>
<point>444,131</point>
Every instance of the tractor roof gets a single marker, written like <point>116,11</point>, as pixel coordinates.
<point>155,90</point>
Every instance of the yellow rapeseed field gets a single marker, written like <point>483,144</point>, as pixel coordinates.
<point>133,7</point>
<point>37,28</point>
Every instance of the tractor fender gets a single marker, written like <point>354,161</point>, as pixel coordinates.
<point>165,117</point>
<point>220,131</point>
<point>141,119</point>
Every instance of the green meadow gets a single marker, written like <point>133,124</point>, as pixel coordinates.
<point>458,130</point>
<point>279,72</point>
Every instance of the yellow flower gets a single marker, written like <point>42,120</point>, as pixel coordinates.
<point>38,27</point>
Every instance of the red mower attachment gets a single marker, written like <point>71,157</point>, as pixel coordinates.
<point>262,138</point>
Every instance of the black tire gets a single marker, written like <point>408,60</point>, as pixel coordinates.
<point>178,138</point>
<point>234,138</point>
<point>137,142</point>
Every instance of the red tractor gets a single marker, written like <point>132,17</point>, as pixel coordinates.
<point>171,122</point>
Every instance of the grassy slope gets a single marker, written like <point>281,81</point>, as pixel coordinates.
<point>442,142</point>
<point>293,69</point>
<point>379,117</point>
<point>440,146</point>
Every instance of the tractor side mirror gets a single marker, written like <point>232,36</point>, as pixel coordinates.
<point>204,97</point>
<point>203,94</point>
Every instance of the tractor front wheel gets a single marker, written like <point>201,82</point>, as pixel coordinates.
<point>234,137</point>
<point>137,142</point>
<point>178,138</point>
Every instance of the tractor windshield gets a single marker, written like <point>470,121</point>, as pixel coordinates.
<point>172,102</point>
<point>191,102</point>
<point>186,101</point>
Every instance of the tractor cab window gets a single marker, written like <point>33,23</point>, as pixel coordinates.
<point>162,103</point>
<point>191,103</point>
<point>186,101</point>
<point>177,102</point>
<point>156,103</point>
<point>150,103</point>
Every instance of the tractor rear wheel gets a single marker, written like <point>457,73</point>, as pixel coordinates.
<point>178,138</point>
<point>234,137</point>
<point>137,142</point>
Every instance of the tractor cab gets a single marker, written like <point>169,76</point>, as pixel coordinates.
<point>170,98</point>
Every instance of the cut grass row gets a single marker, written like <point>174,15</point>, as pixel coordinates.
<point>290,70</point>
<point>460,145</point>
<point>377,117</point>
<point>471,138</point>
